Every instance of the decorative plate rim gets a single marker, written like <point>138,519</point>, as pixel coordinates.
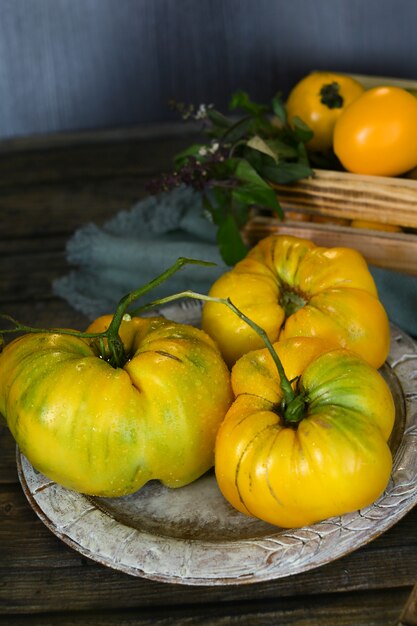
<point>79,522</point>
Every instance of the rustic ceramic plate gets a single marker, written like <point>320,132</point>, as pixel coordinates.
<point>192,536</point>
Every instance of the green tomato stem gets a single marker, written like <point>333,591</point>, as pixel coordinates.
<point>118,357</point>
<point>295,409</point>
<point>292,404</point>
<point>18,327</point>
<point>115,354</point>
<point>129,298</point>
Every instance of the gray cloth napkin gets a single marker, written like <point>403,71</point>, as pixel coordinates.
<point>139,244</point>
<point>136,246</point>
<point>398,294</point>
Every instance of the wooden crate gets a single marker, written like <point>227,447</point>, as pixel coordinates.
<point>321,208</point>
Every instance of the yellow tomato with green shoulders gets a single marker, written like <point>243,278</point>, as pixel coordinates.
<point>105,430</point>
<point>293,288</point>
<point>324,454</point>
<point>318,100</point>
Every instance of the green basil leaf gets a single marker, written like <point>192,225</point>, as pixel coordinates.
<point>246,173</point>
<point>237,131</point>
<point>279,109</point>
<point>303,154</point>
<point>301,130</point>
<point>230,242</point>
<point>254,158</point>
<point>217,201</point>
<point>218,119</point>
<point>259,144</point>
<point>241,211</point>
<point>254,190</point>
<point>283,149</point>
<point>285,173</point>
<point>241,100</point>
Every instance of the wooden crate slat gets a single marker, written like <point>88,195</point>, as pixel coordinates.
<point>395,251</point>
<point>353,196</point>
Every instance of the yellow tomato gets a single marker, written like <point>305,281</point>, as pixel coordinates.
<point>377,133</point>
<point>334,460</point>
<point>319,99</point>
<point>390,228</point>
<point>291,287</point>
<point>106,431</point>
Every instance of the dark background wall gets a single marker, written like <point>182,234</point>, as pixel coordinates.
<point>83,64</point>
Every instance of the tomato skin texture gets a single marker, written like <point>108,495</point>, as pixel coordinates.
<point>377,134</point>
<point>339,300</point>
<point>106,431</point>
<point>305,102</point>
<point>335,461</point>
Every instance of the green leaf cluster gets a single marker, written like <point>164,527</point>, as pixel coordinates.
<point>243,157</point>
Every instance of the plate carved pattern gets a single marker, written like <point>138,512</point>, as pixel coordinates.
<point>193,536</point>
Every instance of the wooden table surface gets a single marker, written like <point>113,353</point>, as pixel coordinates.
<point>49,186</point>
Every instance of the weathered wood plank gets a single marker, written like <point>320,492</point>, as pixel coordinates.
<point>29,277</point>
<point>52,209</point>
<point>173,131</point>
<point>408,615</point>
<point>8,471</point>
<point>375,608</point>
<point>53,186</point>
<point>21,246</point>
<point>98,160</point>
<point>46,313</point>
<point>39,590</point>
<point>341,194</point>
<point>31,553</point>
<point>32,538</point>
<point>396,251</point>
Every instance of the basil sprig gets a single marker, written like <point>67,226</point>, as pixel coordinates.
<point>235,167</point>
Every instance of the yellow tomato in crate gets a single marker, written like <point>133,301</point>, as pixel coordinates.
<point>319,99</point>
<point>368,224</point>
<point>291,287</point>
<point>107,431</point>
<point>334,460</point>
<point>377,133</point>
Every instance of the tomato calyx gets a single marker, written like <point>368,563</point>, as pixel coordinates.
<point>291,300</point>
<point>292,409</point>
<point>110,349</point>
<point>330,96</point>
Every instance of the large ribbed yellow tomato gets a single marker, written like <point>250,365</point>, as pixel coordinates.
<point>334,460</point>
<point>319,99</point>
<point>377,133</point>
<point>291,287</point>
<point>107,431</point>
